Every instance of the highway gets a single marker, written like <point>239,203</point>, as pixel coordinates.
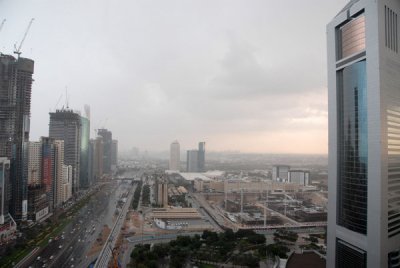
<point>106,252</point>
<point>74,246</point>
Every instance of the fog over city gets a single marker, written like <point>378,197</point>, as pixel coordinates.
<point>241,75</point>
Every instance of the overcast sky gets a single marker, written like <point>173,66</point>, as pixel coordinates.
<point>245,75</point>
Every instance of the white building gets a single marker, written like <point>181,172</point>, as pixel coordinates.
<point>364,135</point>
<point>175,156</point>
<point>35,163</point>
<point>67,183</point>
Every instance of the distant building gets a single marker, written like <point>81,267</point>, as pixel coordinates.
<point>107,149</point>
<point>35,163</point>
<point>280,173</point>
<point>67,183</point>
<point>162,194</point>
<point>202,157</point>
<point>175,156</point>
<point>192,164</point>
<point>301,177</point>
<point>15,105</point>
<point>65,125</point>
<point>114,156</point>
<point>4,177</point>
<point>84,153</point>
<point>59,173</point>
<point>98,152</point>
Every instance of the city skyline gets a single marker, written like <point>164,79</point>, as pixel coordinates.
<point>223,79</point>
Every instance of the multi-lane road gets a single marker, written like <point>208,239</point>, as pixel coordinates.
<point>74,246</point>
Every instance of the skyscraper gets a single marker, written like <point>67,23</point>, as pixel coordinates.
<point>98,152</point>
<point>202,156</point>
<point>364,134</point>
<point>84,153</point>
<point>114,155</point>
<point>192,161</point>
<point>107,149</point>
<point>4,177</point>
<point>15,105</point>
<point>175,156</point>
<point>65,125</point>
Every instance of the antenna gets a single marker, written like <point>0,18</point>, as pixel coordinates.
<point>18,51</point>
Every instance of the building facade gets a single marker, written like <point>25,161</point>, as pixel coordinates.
<point>175,156</point>
<point>34,163</point>
<point>202,157</point>
<point>4,177</point>
<point>107,149</point>
<point>65,125</point>
<point>192,164</point>
<point>364,134</point>
<point>15,104</point>
<point>114,155</point>
<point>280,173</point>
<point>84,153</point>
<point>301,177</point>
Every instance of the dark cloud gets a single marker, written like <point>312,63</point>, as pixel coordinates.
<point>155,71</point>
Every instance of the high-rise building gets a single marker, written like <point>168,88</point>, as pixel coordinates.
<point>280,173</point>
<point>114,155</point>
<point>364,131</point>
<point>15,105</point>
<point>67,172</point>
<point>4,177</point>
<point>38,204</point>
<point>192,162</point>
<point>8,227</point>
<point>84,153</point>
<point>65,125</point>
<point>175,156</point>
<point>59,176</point>
<point>107,149</point>
<point>98,153</point>
<point>35,163</point>
<point>202,156</point>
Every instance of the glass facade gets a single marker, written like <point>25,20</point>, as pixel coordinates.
<point>352,37</point>
<point>352,148</point>
<point>348,256</point>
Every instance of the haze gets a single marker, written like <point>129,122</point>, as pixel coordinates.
<point>240,75</point>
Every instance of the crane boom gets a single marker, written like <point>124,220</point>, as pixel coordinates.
<point>2,24</point>
<point>18,51</point>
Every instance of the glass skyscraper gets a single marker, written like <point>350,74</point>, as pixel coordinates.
<point>364,135</point>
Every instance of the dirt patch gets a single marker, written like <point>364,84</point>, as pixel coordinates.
<point>101,239</point>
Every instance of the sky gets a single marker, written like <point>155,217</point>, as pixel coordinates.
<point>241,75</point>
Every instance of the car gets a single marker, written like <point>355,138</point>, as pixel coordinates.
<point>60,246</point>
<point>51,257</point>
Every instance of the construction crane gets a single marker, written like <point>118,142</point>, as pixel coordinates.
<point>18,51</point>
<point>2,24</point>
